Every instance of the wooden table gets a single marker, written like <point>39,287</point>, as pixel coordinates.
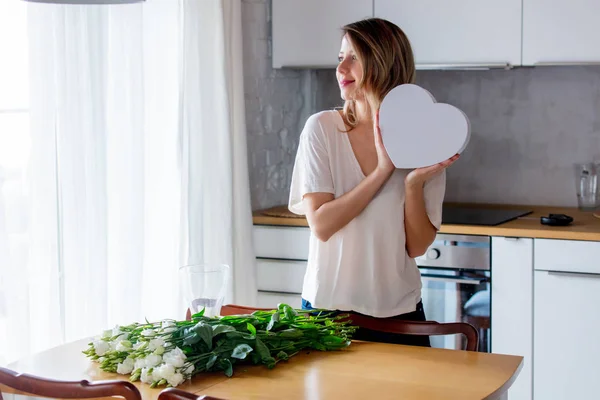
<point>364,370</point>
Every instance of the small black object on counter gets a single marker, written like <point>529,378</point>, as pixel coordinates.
<point>556,220</point>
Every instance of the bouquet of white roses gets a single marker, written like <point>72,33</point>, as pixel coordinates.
<point>169,352</point>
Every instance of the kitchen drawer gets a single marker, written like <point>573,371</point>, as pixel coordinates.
<point>280,275</point>
<point>567,255</point>
<point>281,242</point>
<point>272,299</point>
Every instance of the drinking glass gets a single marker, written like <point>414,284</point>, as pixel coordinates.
<point>203,286</point>
<point>587,180</point>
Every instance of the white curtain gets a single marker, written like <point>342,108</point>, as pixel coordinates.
<point>138,166</point>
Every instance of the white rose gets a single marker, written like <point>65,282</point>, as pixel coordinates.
<point>124,345</point>
<point>107,334</point>
<point>153,360</point>
<point>148,332</point>
<point>126,366</point>
<point>101,347</point>
<point>175,380</point>
<point>139,363</point>
<point>175,357</point>
<point>188,371</point>
<point>145,377</point>
<point>116,330</point>
<point>155,343</point>
<point>164,371</point>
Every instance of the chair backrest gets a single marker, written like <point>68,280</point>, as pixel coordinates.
<point>232,309</point>
<point>178,394</point>
<point>38,386</point>
<point>429,328</point>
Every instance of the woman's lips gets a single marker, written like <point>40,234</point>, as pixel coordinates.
<point>346,82</point>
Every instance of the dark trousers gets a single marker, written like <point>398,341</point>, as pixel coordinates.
<point>385,337</point>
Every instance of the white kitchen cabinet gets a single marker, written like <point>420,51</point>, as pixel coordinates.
<point>512,307</point>
<point>560,32</point>
<point>282,242</point>
<point>284,276</point>
<point>457,32</point>
<point>566,322</point>
<point>272,299</point>
<point>307,33</point>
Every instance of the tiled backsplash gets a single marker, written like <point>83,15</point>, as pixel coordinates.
<point>529,125</point>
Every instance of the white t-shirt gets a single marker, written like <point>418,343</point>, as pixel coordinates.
<point>364,267</point>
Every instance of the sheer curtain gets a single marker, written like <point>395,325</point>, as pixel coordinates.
<point>137,166</point>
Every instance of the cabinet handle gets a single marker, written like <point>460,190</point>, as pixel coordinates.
<point>465,66</point>
<point>574,274</point>
<point>565,63</point>
<point>452,279</point>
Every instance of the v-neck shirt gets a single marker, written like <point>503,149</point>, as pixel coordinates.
<point>364,267</point>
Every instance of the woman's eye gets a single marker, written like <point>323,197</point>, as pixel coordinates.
<point>340,58</point>
<point>354,57</point>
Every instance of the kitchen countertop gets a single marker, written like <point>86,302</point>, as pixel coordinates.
<point>584,227</point>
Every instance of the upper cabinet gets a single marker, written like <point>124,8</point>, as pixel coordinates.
<point>445,33</point>
<point>307,33</point>
<point>560,32</point>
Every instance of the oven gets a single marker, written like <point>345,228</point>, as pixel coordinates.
<point>456,277</point>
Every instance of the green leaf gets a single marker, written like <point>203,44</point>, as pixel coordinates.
<point>241,351</point>
<point>274,319</point>
<point>291,333</point>
<point>290,313</point>
<point>199,314</point>
<point>205,332</point>
<point>282,355</point>
<point>262,350</point>
<point>218,329</point>
<point>191,339</point>
<point>228,368</point>
<point>211,361</point>
<point>251,328</point>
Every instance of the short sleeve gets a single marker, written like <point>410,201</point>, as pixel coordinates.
<point>312,172</point>
<point>434,192</point>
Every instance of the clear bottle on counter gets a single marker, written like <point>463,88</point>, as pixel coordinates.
<point>587,180</point>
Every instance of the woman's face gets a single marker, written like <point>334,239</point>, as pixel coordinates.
<point>349,72</point>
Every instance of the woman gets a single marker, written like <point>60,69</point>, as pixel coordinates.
<point>368,220</point>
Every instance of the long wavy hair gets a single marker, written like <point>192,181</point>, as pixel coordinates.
<point>387,59</point>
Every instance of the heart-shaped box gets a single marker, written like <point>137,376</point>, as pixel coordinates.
<point>417,131</point>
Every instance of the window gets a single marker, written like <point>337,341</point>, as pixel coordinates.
<point>14,148</point>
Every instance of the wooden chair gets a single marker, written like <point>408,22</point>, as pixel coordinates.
<point>232,309</point>
<point>38,386</point>
<point>429,328</point>
<point>178,394</point>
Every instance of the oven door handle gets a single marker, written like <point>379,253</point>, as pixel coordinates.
<point>453,279</point>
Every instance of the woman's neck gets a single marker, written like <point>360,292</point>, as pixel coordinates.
<point>362,110</point>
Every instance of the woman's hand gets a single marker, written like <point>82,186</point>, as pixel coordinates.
<point>419,176</point>
<point>384,163</point>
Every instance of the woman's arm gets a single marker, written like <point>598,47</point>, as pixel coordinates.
<point>420,232</point>
<point>326,215</point>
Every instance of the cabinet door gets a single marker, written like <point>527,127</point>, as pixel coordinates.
<point>512,307</point>
<point>307,33</point>
<point>456,32</point>
<point>566,345</point>
<point>560,31</point>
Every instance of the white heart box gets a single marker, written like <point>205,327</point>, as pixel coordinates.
<point>417,131</point>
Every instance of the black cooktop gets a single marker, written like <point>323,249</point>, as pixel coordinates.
<point>479,216</point>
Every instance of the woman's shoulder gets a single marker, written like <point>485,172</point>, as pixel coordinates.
<point>323,122</point>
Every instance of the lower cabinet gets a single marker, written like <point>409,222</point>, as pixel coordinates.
<point>272,299</point>
<point>566,320</point>
<point>281,253</point>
